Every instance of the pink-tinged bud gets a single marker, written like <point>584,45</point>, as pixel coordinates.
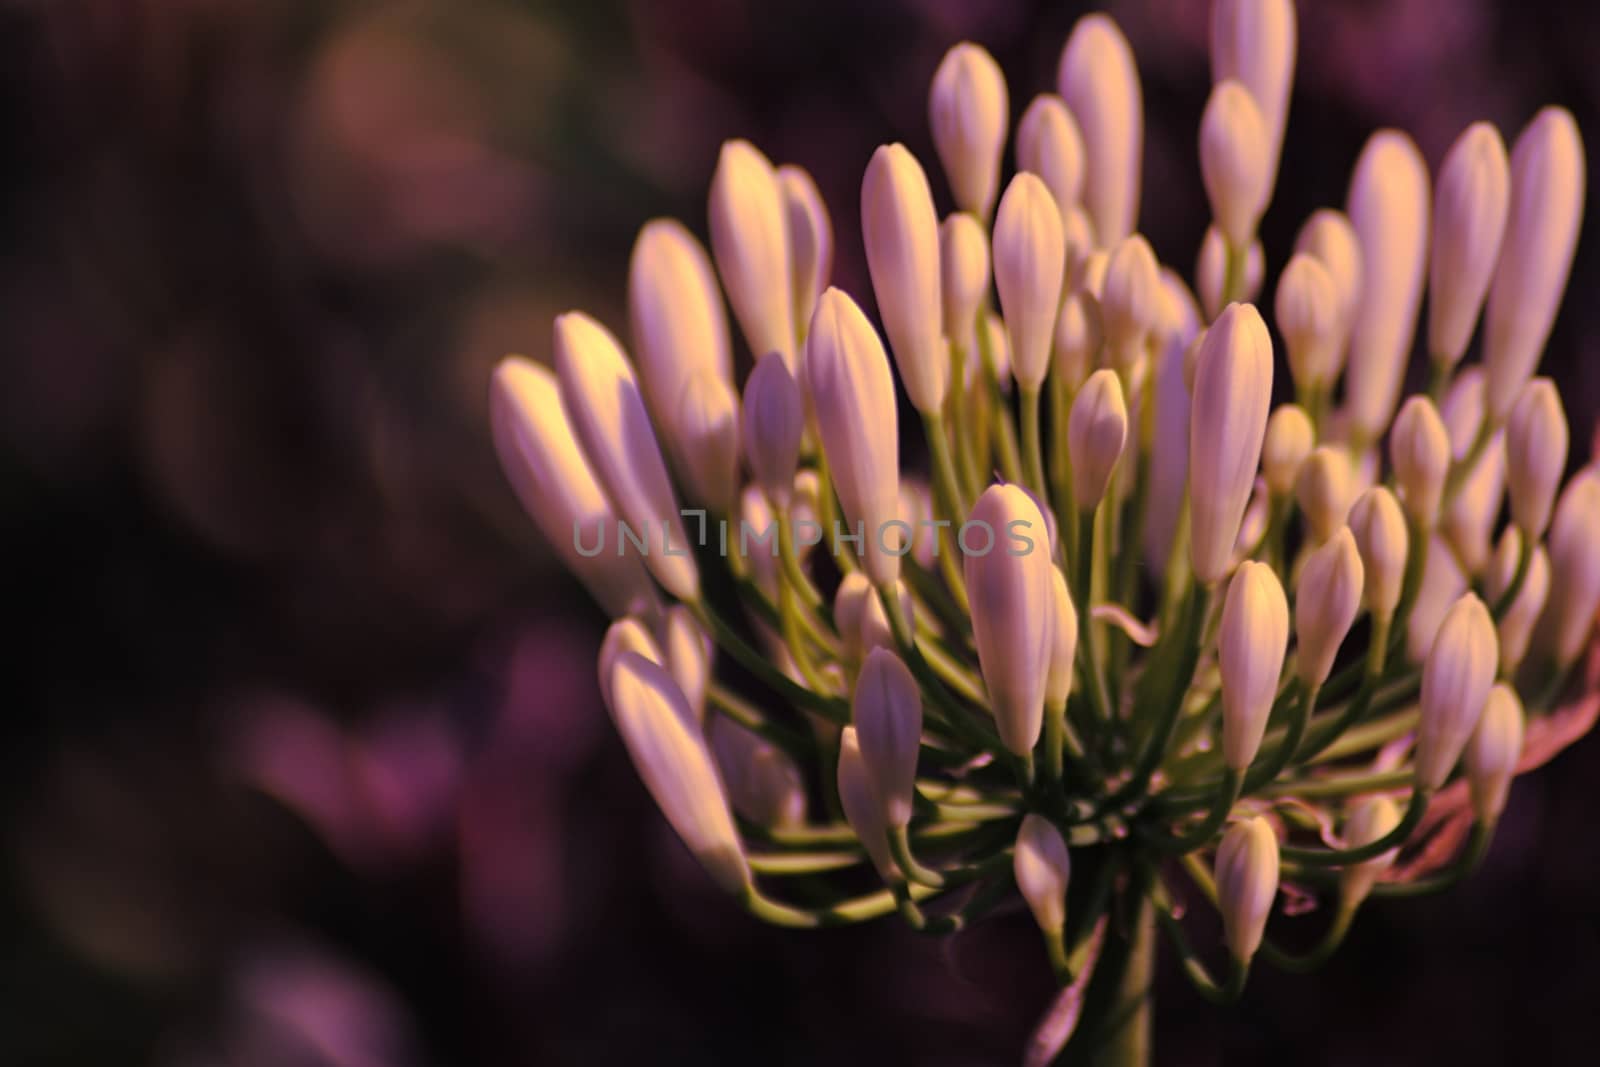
<point>1097,430</point>
<point>858,796</point>
<point>1077,339</point>
<point>1010,591</point>
<point>628,634</point>
<point>774,422</point>
<point>1078,235</point>
<point>1419,448</point>
<point>675,315</point>
<point>1327,598</point>
<point>1442,584</point>
<point>1099,82</point>
<point>1227,422</point>
<point>1493,752</point>
<point>1469,220</point>
<point>1211,273</point>
<point>1290,439</point>
<point>1388,206</point>
<point>1456,678</point>
<point>964,282</point>
<point>1536,454</point>
<point>852,395</point>
<point>810,239</point>
<point>968,111</point>
<point>1050,145</point>
<point>764,785</point>
<point>1575,563</point>
<point>1132,300</point>
<point>1043,868</point>
<point>750,240</point>
<point>1311,321</point>
<point>1235,162</point>
<point>1324,489</point>
<point>1371,819</point>
<point>1379,528</point>
<point>1064,644</point>
<point>601,397</point>
<point>671,756</point>
<point>1328,236</point>
<point>1251,643</point>
<point>1253,42</point>
<point>1029,258</point>
<point>887,713</point>
<point>1516,625</point>
<point>901,233</point>
<point>1547,190</point>
<point>707,426</point>
<point>1468,519</point>
<point>689,653</point>
<point>556,486</point>
<point>1169,454</point>
<point>1247,881</point>
<point>999,350</point>
<point>859,618</point>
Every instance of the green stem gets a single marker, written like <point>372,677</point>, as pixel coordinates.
<point>1088,658</point>
<point>1032,447</point>
<point>1318,954</point>
<point>1227,794</point>
<point>1469,860</point>
<point>1524,562</point>
<point>1323,857</point>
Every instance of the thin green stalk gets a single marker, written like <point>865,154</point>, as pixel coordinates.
<point>1323,857</point>
<point>1318,954</point>
<point>955,408</point>
<point>728,639</point>
<point>1469,860</point>
<point>1518,577</point>
<point>1193,967</point>
<point>1032,447</point>
<point>1090,667</point>
<point>855,910</point>
<point>1201,833</point>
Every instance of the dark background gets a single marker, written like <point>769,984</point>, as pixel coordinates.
<point>302,761</point>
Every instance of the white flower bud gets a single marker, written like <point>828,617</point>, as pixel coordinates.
<point>601,397</point>
<point>1575,561</point>
<point>901,233</point>
<point>1371,819</point>
<point>671,756</point>
<point>1132,299</point>
<point>1327,598</point>
<point>1324,490</point>
<point>1097,430</point>
<point>750,240</point>
<point>1211,272</point>
<point>556,486</point>
<point>858,796</point>
<point>1235,162</point>
<point>1469,220</point>
<point>1246,874</point>
<point>1419,448</point>
<point>1328,236</point>
<point>1388,206</point>
<point>1012,601</point>
<point>1078,234</point>
<point>1064,644</point>
<point>999,350</point>
<point>764,785</point>
<point>688,651</point>
<point>774,421</point>
<point>852,395</point>
<point>1251,643</point>
<point>1547,190</point>
<point>1456,678</point>
<point>1469,521</point>
<point>1029,258</point>
<point>1310,318</point>
<point>1050,145</point>
<point>968,111</point>
<point>1493,752</point>
<point>1379,528</point>
<point>708,432</point>
<point>964,263</point>
<point>1516,625</point>
<point>1100,85</point>
<point>627,634</point>
<point>1290,439</point>
<point>1253,42</point>
<point>1442,584</point>
<point>1043,868</point>
<point>810,239</point>
<point>1536,454</point>
<point>675,315</point>
<point>1077,338</point>
<point>887,713</point>
<point>859,618</point>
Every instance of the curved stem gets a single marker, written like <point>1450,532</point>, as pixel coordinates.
<point>1322,857</point>
<point>855,910</point>
<point>1088,658</point>
<point>1317,955</point>
<point>1524,562</point>
<point>1227,794</point>
<point>1266,770</point>
<point>729,641</point>
<point>798,863</point>
<point>1193,967</point>
<point>1447,878</point>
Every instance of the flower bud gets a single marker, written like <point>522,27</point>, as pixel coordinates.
<point>964,263</point>
<point>1247,881</point>
<point>1469,219</point>
<point>1388,206</point>
<point>1042,867</point>
<point>672,758</point>
<point>1100,85</point>
<point>1064,644</point>
<point>627,634</point>
<point>1575,561</point>
<point>859,618</point>
<point>1324,490</point>
<point>1235,162</point>
<point>1012,601</point>
<point>708,433</point>
<point>810,239</point>
<point>1050,145</point>
<point>1456,678</point>
<point>774,421</point>
<point>1381,538</point>
<point>1169,452</point>
<point>1251,644</point>
<point>1029,258</point>
<point>1419,448</point>
<point>1309,316</point>
<point>1290,439</point>
<point>852,395</point>
<point>1327,597</point>
<point>999,350</point>
<point>750,240</point>
<point>1442,584</point>
<point>1371,819</point>
<point>901,233</point>
<point>1078,235</point>
<point>1547,190</point>
<point>1077,339</point>
<point>556,486</point>
<point>688,657</point>
<point>1516,625</point>
<point>1131,300</point>
<point>858,796</point>
<point>676,318</point>
<point>887,713</point>
<point>1253,42</point>
<point>1227,421</point>
<point>1211,272</point>
<point>969,110</point>
<point>1536,454</point>
<point>764,785</point>
<point>1469,521</point>
<point>1097,430</point>
<point>1493,752</point>
<point>608,415</point>
<point>1328,236</point>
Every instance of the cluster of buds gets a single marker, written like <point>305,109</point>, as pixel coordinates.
<point>1137,627</point>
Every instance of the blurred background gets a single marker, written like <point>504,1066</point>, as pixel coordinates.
<point>302,761</point>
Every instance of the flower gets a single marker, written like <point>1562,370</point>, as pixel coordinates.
<point>1050,145</point>
<point>1235,162</point>
<point>1029,257</point>
<point>1493,752</point>
<point>1516,625</point>
<point>1310,316</point>
<point>774,422</point>
<point>1327,598</point>
<point>1455,683</point>
<point>1099,82</point>
<point>1211,268</point>
<point>1290,438</point>
<point>964,277</point>
<point>1043,867</point>
<point>887,712</point>
<point>1419,449</point>
<point>1371,819</point>
<point>1131,301</point>
<point>968,110</point>
<point>862,810</point>
<point>901,233</point>
<point>1569,613</point>
<point>1251,644</point>
<point>1253,43</point>
<point>1324,489</point>
<point>1063,643</point>
<point>750,240</point>
<point>1096,432</point>
<point>1247,881</point>
<point>1469,219</point>
<point>1536,454</point>
<point>810,239</point>
<point>1380,532</point>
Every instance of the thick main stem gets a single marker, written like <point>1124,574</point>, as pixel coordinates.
<point>1116,1031</point>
